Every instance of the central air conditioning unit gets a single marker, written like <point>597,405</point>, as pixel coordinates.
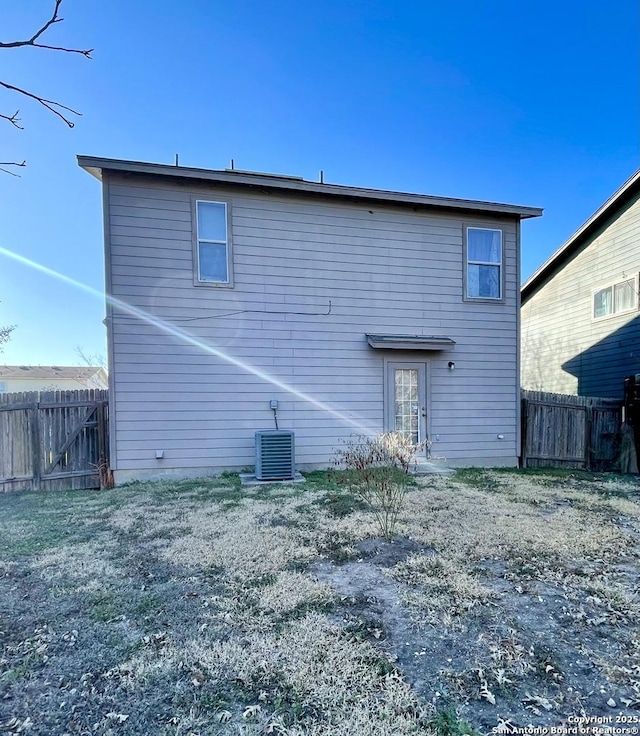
<point>275,456</point>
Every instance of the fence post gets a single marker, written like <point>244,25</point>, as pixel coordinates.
<point>588,444</point>
<point>101,431</point>
<point>36,444</point>
<point>524,440</point>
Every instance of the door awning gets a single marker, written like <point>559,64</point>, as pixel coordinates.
<point>411,342</point>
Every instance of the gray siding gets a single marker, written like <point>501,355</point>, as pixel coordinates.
<point>563,349</point>
<point>383,269</point>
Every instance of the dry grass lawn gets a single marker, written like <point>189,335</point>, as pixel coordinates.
<point>507,599</point>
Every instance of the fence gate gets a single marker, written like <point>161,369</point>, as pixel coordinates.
<point>565,431</point>
<point>54,440</point>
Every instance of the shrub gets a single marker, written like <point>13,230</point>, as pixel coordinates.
<point>377,471</point>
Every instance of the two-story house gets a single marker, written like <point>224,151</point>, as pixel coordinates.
<point>580,322</point>
<point>239,300</point>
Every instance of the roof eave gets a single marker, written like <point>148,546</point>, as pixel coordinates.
<point>410,342</point>
<point>599,217</point>
<point>95,166</point>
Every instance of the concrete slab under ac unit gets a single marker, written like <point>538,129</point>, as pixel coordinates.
<point>249,479</point>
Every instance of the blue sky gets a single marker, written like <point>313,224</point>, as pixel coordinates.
<point>533,103</point>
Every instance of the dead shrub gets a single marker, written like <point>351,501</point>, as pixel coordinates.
<point>376,469</point>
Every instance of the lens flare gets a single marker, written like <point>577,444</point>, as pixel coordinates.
<point>188,339</point>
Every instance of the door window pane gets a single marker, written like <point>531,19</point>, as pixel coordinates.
<point>407,403</point>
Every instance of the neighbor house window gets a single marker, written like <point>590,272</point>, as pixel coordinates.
<point>484,263</point>
<point>3,387</point>
<point>615,298</point>
<point>213,256</point>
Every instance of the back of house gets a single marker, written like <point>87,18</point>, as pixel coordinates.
<point>239,302</point>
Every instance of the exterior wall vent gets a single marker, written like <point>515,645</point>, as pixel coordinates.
<point>275,455</point>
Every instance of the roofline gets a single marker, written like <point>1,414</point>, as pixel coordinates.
<point>96,166</point>
<point>54,367</point>
<point>582,234</point>
<point>52,371</point>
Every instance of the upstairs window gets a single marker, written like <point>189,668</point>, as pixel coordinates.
<point>212,243</point>
<point>484,264</point>
<point>615,299</point>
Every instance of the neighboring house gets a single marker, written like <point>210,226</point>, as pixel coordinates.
<point>356,310</point>
<point>580,324</point>
<point>15,378</point>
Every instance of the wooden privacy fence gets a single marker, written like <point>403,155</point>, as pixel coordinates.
<point>54,440</point>
<point>564,431</point>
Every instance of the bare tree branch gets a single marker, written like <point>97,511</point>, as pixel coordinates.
<point>49,104</point>
<point>32,41</point>
<point>85,52</point>
<point>28,42</point>
<point>57,108</point>
<point>5,334</point>
<point>11,163</point>
<point>13,119</point>
<point>91,359</point>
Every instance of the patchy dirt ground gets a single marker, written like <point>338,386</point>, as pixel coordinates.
<point>507,599</point>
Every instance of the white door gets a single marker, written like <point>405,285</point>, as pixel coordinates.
<point>406,399</point>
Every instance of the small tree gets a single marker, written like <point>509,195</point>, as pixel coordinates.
<point>91,359</point>
<point>377,472</point>
<point>5,334</point>
<point>34,40</point>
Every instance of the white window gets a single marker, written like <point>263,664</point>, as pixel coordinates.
<point>212,251</point>
<point>484,263</point>
<point>615,299</point>
<point>3,387</point>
